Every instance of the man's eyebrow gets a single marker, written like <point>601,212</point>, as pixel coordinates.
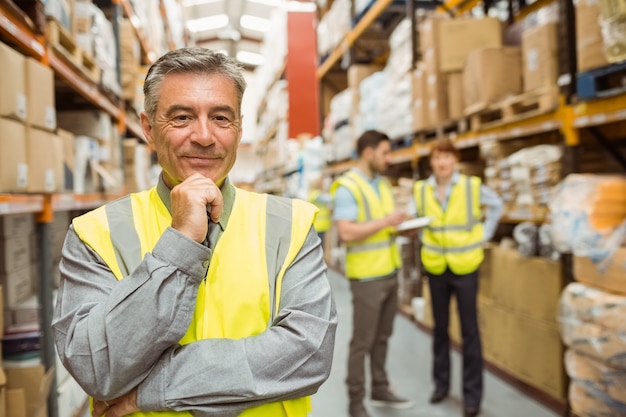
<point>177,108</point>
<point>224,108</point>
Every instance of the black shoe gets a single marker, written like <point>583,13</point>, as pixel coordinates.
<point>438,396</point>
<point>387,398</point>
<point>471,411</point>
<point>358,410</point>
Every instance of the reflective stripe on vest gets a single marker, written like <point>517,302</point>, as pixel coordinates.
<point>455,237</point>
<point>122,232</point>
<point>377,255</point>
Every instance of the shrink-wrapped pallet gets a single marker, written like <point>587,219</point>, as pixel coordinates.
<point>595,388</point>
<point>589,214</point>
<point>592,322</point>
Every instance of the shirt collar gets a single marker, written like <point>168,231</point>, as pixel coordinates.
<point>362,174</point>
<point>228,195</point>
<point>455,179</point>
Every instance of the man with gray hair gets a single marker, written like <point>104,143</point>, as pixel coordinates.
<point>195,298</point>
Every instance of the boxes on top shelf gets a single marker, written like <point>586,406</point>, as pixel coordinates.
<point>589,42</point>
<point>40,95</point>
<point>12,84</point>
<point>490,75</point>
<point>540,56</point>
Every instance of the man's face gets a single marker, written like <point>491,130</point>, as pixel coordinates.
<point>380,157</point>
<point>197,127</point>
<point>443,163</point>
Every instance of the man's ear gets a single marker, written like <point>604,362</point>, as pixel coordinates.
<point>146,127</point>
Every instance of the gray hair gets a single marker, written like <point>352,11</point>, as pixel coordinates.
<point>194,60</point>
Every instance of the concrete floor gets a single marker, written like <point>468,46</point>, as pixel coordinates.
<point>408,365</point>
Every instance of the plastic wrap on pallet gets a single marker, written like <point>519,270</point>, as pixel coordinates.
<point>600,389</point>
<point>394,106</point>
<point>370,93</point>
<point>614,38</point>
<point>592,322</point>
<point>589,214</point>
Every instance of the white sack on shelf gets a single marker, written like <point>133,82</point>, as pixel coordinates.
<point>599,389</point>
<point>592,322</point>
<point>589,215</point>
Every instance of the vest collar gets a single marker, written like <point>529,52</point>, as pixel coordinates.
<point>432,181</point>
<point>228,194</point>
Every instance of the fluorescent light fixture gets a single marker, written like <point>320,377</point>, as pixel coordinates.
<point>254,23</point>
<point>272,3</point>
<point>251,58</point>
<point>189,3</point>
<point>207,23</point>
<point>301,6</point>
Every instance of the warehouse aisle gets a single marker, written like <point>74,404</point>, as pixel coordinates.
<point>408,366</point>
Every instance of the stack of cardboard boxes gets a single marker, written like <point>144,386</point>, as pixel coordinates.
<point>32,154</point>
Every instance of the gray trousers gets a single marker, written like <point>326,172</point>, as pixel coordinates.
<point>375,304</point>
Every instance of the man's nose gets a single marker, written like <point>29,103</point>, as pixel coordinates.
<point>203,132</point>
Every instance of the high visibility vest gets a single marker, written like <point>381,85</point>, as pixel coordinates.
<point>322,218</point>
<point>107,230</point>
<point>376,256</point>
<point>454,238</point>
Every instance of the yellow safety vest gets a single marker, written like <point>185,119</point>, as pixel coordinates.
<point>377,255</point>
<point>249,306</point>
<point>455,236</point>
<point>322,219</point>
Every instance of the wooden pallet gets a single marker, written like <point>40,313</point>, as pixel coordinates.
<point>451,128</point>
<point>62,44</point>
<point>515,108</point>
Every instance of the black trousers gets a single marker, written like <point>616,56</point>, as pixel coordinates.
<point>465,289</point>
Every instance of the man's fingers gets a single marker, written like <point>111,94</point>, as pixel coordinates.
<point>99,408</point>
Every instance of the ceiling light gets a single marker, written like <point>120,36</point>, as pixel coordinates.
<point>207,23</point>
<point>189,3</point>
<point>254,23</point>
<point>272,3</point>
<point>251,58</point>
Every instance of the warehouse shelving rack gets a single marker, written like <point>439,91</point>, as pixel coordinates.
<point>18,33</point>
<point>594,121</point>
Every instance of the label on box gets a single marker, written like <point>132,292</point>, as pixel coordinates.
<point>20,106</point>
<point>51,118</point>
<point>49,184</point>
<point>22,175</point>
<point>532,60</point>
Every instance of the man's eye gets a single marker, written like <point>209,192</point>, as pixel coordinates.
<point>221,121</point>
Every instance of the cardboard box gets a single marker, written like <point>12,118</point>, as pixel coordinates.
<point>16,225</point>
<point>13,166</point>
<point>437,104</point>
<point>12,84</point>
<point>589,41</point>
<point>454,87</point>
<point>358,72</point>
<point>14,253</point>
<point>531,286</point>
<point>16,286</point>
<point>45,163</point>
<point>16,403</point>
<point>540,56</point>
<point>538,358</point>
<point>92,123</point>
<point>35,384</point>
<point>40,95</point>
<point>3,402</point>
<point>490,75</point>
<point>458,37</point>
<point>420,109</point>
<point>608,275</point>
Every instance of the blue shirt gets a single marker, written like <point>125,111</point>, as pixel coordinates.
<point>345,206</point>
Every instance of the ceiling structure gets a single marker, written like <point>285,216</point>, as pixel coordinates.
<point>236,27</point>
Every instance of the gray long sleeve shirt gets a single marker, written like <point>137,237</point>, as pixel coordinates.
<point>115,335</point>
